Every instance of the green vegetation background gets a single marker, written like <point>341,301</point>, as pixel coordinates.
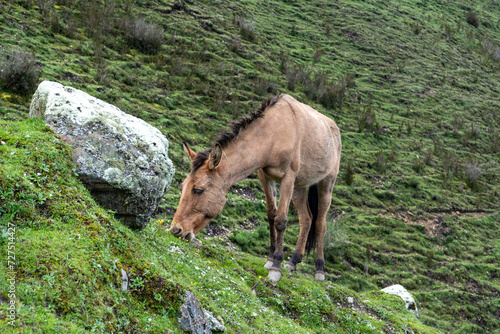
<point>414,87</point>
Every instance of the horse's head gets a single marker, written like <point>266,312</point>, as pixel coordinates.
<point>203,195</point>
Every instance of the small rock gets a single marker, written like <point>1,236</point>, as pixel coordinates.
<point>215,325</point>
<point>124,280</point>
<point>400,291</point>
<point>192,318</point>
<point>175,249</point>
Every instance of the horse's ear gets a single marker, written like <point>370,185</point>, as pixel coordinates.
<point>215,157</point>
<point>189,152</point>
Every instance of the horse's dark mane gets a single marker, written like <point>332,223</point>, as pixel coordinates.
<point>235,127</point>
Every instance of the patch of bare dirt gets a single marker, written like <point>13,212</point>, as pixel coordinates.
<point>246,193</point>
<point>221,233</point>
<point>427,93</point>
<point>250,224</point>
<point>353,35</point>
<point>435,227</point>
<point>214,231</point>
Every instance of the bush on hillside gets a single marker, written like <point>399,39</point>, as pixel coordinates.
<point>19,72</point>
<point>472,19</point>
<point>473,173</point>
<point>299,74</point>
<point>367,120</point>
<point>348,175</point>
<point>330,94</point>
<point>147,37</point>
<point>247,28</point>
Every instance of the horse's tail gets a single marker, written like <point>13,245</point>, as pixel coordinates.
<point>312,199</point>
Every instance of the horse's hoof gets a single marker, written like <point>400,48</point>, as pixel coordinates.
<point>290,267</point>
<point>274,275</point>
<point>319,276</point>
<point>268,264</point>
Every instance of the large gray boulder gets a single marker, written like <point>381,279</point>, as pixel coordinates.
<point>121,159</point>
<point>400,291</point>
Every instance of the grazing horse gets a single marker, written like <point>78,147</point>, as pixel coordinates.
<point>285,141</point>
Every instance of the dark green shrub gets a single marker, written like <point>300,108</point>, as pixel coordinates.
<point>417,28</point>
<point>451,165</point>
<point>19,71</point>
<point>263,86</point>
<point>247,28</point>
<point>473,173</point>
<point>393,155</point>
<point>297,75</point>
<point>318,53</point>
<point>418,164</point>
<point>329,94</point>
<point>449,31</point>
<point>243,239</point>
<point>367,120</point>
<point>147,37</point>
<point>262,232</point>
<point>472,19</point>
<point>236,45</point>
<point>99,19</point>
<point>413,182</point>
<point>381,162</point>
<point>490,49</point>
<point>495,143</point>
<point>44,5</point>
<point>334,96</point>
<point>348,175</point>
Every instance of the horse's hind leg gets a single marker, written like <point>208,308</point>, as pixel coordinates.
<point>325,188</point>
<point>300,201</point>
<point>269,187</point>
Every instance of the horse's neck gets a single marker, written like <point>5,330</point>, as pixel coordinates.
<point>241,158</point>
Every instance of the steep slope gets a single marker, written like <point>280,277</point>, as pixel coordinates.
<point>65,257</point>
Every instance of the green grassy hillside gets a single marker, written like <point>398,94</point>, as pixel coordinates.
<point>413,85</point>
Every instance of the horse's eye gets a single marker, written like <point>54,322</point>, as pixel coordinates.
<point>198,191</point>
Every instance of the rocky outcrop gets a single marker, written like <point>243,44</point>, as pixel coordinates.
<point>400,291</point>
<point>121,159</point>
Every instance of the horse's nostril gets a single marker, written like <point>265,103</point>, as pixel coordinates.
<point>177,231</point>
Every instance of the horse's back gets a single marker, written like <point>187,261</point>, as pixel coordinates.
<point>313,137</point>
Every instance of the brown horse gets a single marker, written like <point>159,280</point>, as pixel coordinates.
<point>285,141</point>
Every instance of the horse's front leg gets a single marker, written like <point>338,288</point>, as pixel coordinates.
<point>280,222</point>
<point>269,187</point>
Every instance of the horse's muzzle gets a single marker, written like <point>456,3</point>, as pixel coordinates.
<point>178,231</point>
